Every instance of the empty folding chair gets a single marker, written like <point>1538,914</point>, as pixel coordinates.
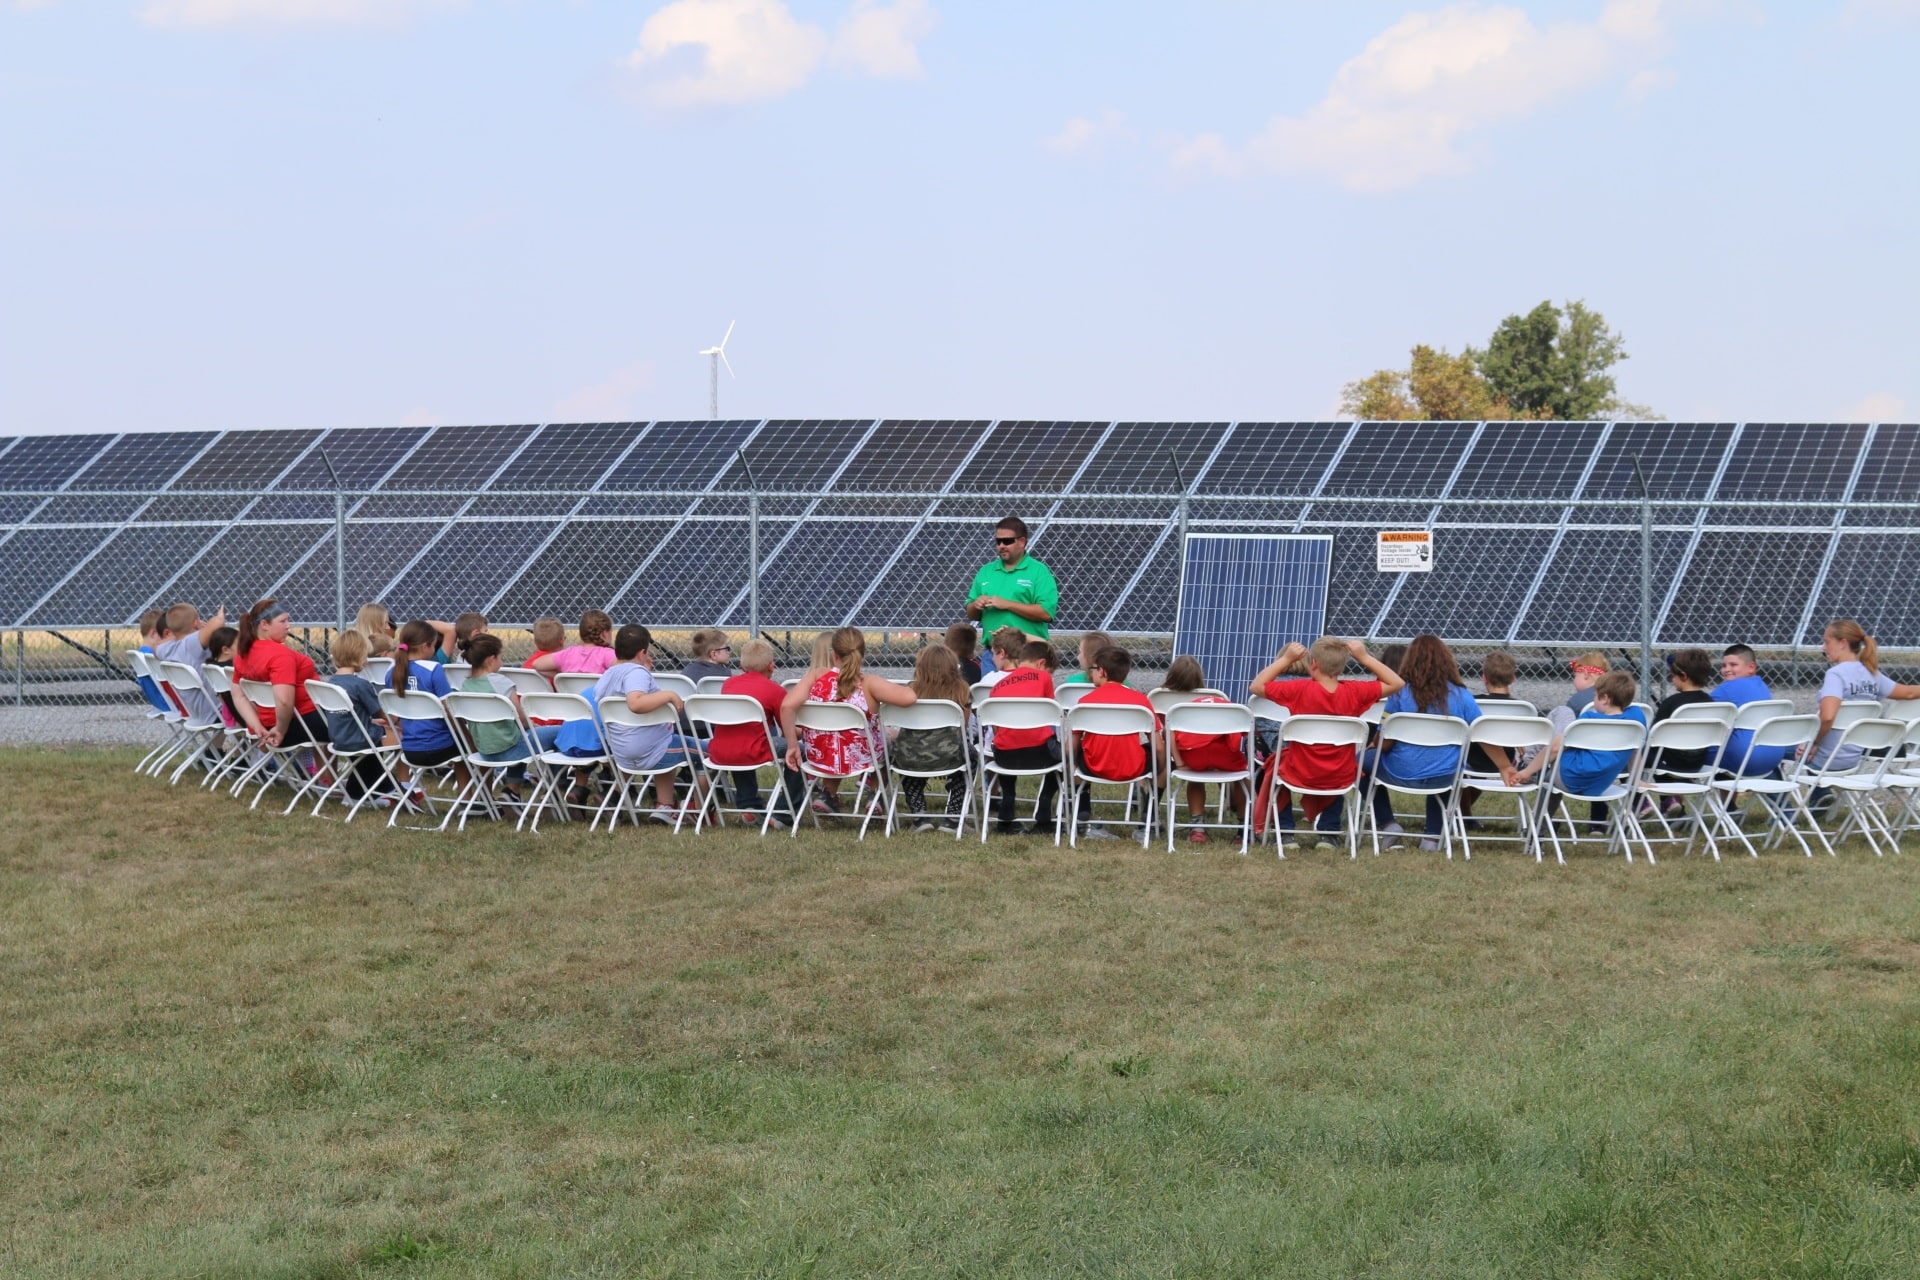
<point>1212,719</point>
<point>347,763</point>
<point>553,767</point>
<point>487,770</point>
<point>1612,736</point>
<point>630,783</point>
<point>720,711</point>
<point>1517,736</point>
<point>929,715</point>
<point>1017,713</point>
<point>1112,720</point>
<point>1418,729</point>
<point>1855,787</point>
<point>1902,779</point>
<point>1350,732</point>
<point>1660,781</point>
<point>1785,732</point>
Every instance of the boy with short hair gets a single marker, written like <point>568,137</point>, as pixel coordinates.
<point>1498,671</point>
<point>1585,771</point>
<point>1007,644</point>
<point>642,747</point>
<point>190,644</point>
<point>1120,757</point>
<point>1091,643</point>
<point>712,651</point>
<point>1587,669</point>
<point>1322,693</point>
<point>1028,677</point>
<point>153,634</point>
<point>965,643</point>
<point>743,744</point>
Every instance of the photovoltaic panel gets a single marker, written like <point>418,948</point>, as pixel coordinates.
<point>120,578</point>
<point>47,462</point>
<point>789,454</point>
<point>1785,462</point>
<point>1722,601</point>
<point>1478,580</point>
<point>1265,461</point>
<point>1091,564</point>
<point>1139,457</point>
<point>927,586</point>
<point>581,569</point>
<point>375,553</point>
<point>1414,458</point>
<point>1680,460</point>
<point>246,459</point>
<point>1891,474</point>
<point>361,455</point>
<point>1150,606</point>
<point>1871,581</point>
<point>143,460</point>
<point>571,455</point>
<point>823,571</point>
<point>699,570</point>
<point>86,508</point>
<point>36,560</point>
<point>466,568</point>
<point>912,455</point>
<point>459,459</point>
<point>1038,457</point>
<point>1591,590</point>
<point>1356,588</point>
<point>1539,461</point>
<point>243,562</point>
<point>1243,596</point>
<point>674,456</point>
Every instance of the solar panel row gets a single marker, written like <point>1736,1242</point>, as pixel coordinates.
<point>650,517</point>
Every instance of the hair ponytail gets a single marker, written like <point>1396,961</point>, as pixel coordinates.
<point>849,646</point>
<point>250,626</point>
<point>1855,637</point>
<point>417,637</point>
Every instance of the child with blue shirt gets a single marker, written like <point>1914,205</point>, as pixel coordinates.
<point>1433,687</point>
<point>425,744</point>
<point>1584,771</point>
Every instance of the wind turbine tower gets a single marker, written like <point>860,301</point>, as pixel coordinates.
<point>717,356</point>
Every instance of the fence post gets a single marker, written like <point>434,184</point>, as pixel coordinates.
<point>20,668</point>
<point>1180,548</point>
<point>339,545</point>
<point>1646,581</point>
<point>753,548</point>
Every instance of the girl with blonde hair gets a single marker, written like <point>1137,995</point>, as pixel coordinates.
<point>844,752</point>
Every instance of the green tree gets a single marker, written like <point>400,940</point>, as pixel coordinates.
<point>1435,387</point>
<point>1555,362</point>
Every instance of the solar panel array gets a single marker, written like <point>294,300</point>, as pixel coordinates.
<point>1244,595</point>
<point>1763,530</point>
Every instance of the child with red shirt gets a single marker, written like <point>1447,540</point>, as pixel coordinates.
<point>1204,752</point>
<point>1322,693</point>
<point>744,744</point>
<point>1121,757</point>
<point>1026,748</point>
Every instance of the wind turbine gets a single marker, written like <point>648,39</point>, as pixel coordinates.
<point>718,357</point>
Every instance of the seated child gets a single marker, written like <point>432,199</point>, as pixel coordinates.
<point>1091,642</point>
<point>1205,752</point>
<point>1585,772</point>
<point>1587,669</point>
<point>496,742</point>
<point>590,657</point>
<point>712,655</point>
<point>153,634</point>
<point>1007,644</point>
<point>965,643</point>
<point>349,730</point>
<point>424,744</point>
<point>1322,693</point>
<point>744,744</point>
<point>549,636</point>
<point>936,674</point>
<point>380,646</point>
<point>1498,671</point>
<point>188,646</point>
<point>465,628</point>
<point>1117,757</point>
<point>636,747</point>
<point>1028,677</point>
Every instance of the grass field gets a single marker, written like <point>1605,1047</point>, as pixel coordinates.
<point>240,1045</point>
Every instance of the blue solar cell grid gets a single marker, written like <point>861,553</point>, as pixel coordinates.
<point>1243,596</point>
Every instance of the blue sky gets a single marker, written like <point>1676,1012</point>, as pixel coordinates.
<point>277,213</point>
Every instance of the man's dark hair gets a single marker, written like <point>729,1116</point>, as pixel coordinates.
<point>1115,661</point>
<point>631,641</point>
<point>1741,651</point>
<point>1013,525</point>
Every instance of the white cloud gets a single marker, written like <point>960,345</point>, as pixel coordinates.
<point>615,398</point>
<point>883,39</point>
<point>1084,134</point>
<point>716,52</point>
<point>1402,110</point>
<point>237,13</point>
<point>1881,406</point>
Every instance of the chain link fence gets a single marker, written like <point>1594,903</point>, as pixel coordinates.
<point>1540,576</point>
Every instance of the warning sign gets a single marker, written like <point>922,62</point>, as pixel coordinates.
<point>1404,551</point>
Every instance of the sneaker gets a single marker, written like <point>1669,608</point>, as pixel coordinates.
<point>415,803</point>
<point>665,815</point>
<point>1094,831</point>
<point>826,805</point>
<point>1390,834</point>
<point>925,826</point>
<point>1196,835</point>
<point>1429,846</point>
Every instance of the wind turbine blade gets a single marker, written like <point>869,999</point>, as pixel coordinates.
<point>723,360</point>
<point>723,341</point>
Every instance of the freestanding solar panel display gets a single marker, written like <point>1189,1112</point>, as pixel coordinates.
<point>1243,595</point>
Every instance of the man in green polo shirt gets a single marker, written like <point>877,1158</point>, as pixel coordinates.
<point>1016,590</point>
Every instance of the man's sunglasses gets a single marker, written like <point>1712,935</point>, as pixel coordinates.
<point>1005,542</point>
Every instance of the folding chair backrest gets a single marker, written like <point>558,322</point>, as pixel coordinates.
<point>1754,714</point>
<point>1876,734</point>
<point>1506,707</point>
<point>1164,698</point>
<point>1901,709</point>
<point>1325,731</point>
<point>1265,708</point>
<point>1724,712</point>
<point>579,682</point>
<point>1854,710</point>
<point>682,685</point>
<point>1069,694</point>
<point>1375,713</point>
<point>1646,710</point>
<point>181,676</point>
<point>830,717</point>
<point>1209,718</point>
<point>481,708</point>
<point>1110,719</point>
<point>614,710</point>
<point>1785,731</point>
<point>709,684</point>
<point>411,705</point>
<point>1699,734</point>
<point>330,698</point>
<point>980,693</point>
<point>1019,713</point>
<point>928,713</point>
<point>725,708</point>
<point>457,672</point>
<point>1418,729</point>
<point>378,669</point>
<point>1515,733</point>
<point>1610,734</point>
<point>258,692</point>
<point>527,680</point>
<point>556,706</point>
<point>219,679</point>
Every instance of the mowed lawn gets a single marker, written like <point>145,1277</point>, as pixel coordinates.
<point>233,1044</point>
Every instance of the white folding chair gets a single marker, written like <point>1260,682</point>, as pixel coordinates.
<point>1902,778</point>
<point>1017,713</point>
<point>1350,732</point>
<point>1905,709</point>
<point>276,764</point>
<point>485,777</point>
<point>1693,788</point>
<point>1214,719</point>
<point>709,685</point>
<point>837,717</point>
<point>457,673</point>
<point>1509,707</point>
<point>240,739</point>
<point>1418,729</point>
<point>526,680</point>
<point>332,700</point>
<point>1723,712</point>
<point>378,670</point>
<point>580,682</point>
<point>1113,720</point>
<point>1775,731</point>
<point>629,783</point>
<point>1375,713</point>
<point>199,729</point>
<point>718,710</point>
<point>1514,735</point>
<point>1164,698</point>
<point>680,684</point>
<point>172,719</point>
<point>928,714</point>
<point>1614,736</point>
<point>1646,710</point>
<point>1856,787</point>
<point>554,768</point>
<point>1069,695</point>
<point>416,707</point>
